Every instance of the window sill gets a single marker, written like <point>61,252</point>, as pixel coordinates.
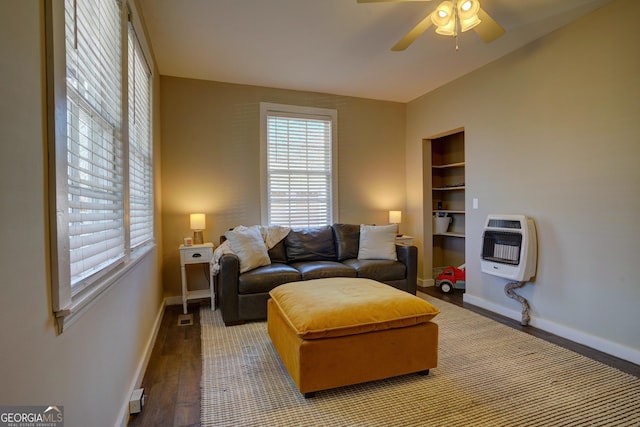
<point>82,302</point>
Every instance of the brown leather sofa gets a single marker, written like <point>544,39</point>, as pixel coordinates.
<point>305,254</point>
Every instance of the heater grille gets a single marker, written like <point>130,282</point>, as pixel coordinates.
<point>504,223</point>
<point>502,247</point>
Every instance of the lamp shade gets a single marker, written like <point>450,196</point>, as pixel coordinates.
<point>467,24</point>
<point>447,30</point>
<point>443,17</point>
<point>395,217</point>
<point>468,13</point>
<point>197,221</point>
<point>468,8</point>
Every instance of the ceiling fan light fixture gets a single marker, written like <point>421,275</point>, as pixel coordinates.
<point>450,18</point>
<point>469,6</point>
<point>443,14</point>
<point>447,30</point>
<point>467,24</point>
<point>468,14</point>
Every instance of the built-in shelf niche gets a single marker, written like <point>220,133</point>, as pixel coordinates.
<point>448,187</point>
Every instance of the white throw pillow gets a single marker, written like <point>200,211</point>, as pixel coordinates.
<point>378,242</point>
<point>247,244</point>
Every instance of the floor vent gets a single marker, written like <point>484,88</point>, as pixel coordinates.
<point>185,320</point>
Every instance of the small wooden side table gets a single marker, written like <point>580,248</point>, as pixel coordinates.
<point>196,254</point>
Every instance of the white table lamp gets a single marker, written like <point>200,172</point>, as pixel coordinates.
<point>395,217</point>
<point>198,224</point>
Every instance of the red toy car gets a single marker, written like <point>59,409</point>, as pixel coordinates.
<point>452,278</point>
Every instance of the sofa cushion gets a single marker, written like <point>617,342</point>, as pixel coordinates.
<point>263,279</point>
<point>278,253</point>
<point>248,245</point>
<point>380,270</point>
<point>378,242</point>
<point>347,238</point>
<point>320,269</point>
<point>310,244</point>
<point>336,307</point>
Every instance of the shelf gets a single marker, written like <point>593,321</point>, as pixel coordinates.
<point>451,234</point>
<point>459,187</point>
<point>436,211</point>
<point>198,293</point>
<point>450,165</point>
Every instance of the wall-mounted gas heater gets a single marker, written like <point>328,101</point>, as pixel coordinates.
<point>509,247</point>
<point>509,250</point>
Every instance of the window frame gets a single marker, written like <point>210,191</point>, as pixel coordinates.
<point>140,153</point>
<point>68,305</point>
<point>267,109</point>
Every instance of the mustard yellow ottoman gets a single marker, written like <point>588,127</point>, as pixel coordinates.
<point>340,331</point>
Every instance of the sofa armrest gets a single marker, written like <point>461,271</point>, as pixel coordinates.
<point>228,288</point>
<point>408,255</point>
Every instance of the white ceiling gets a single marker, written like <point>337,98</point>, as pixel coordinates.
<point>335,46</point>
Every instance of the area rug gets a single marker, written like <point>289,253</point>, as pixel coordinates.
<point>488,375</point>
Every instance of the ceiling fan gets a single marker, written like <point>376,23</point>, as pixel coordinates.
<point>451,17</point>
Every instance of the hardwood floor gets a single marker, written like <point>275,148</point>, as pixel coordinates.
<point>172,380</point>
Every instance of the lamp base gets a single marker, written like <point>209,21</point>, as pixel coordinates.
<point>198,238</point>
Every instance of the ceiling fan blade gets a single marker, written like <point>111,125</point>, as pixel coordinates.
<point>488,29</point>
<point>413,34</point>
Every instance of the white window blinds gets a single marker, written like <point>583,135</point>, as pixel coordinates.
<point>300,170</point>
<point>94,145</point>
<point>140,146</point>
<point>99,97</point>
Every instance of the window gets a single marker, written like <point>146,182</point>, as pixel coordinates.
<point>94,185</point>
<point>140,146</point>
<point>100,145</point>
<point>298,146</point>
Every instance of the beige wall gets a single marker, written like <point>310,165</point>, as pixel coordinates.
<point>91,368</point>
<point>559,117</point>
<point>211,159</point>
<point>552,131</point>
